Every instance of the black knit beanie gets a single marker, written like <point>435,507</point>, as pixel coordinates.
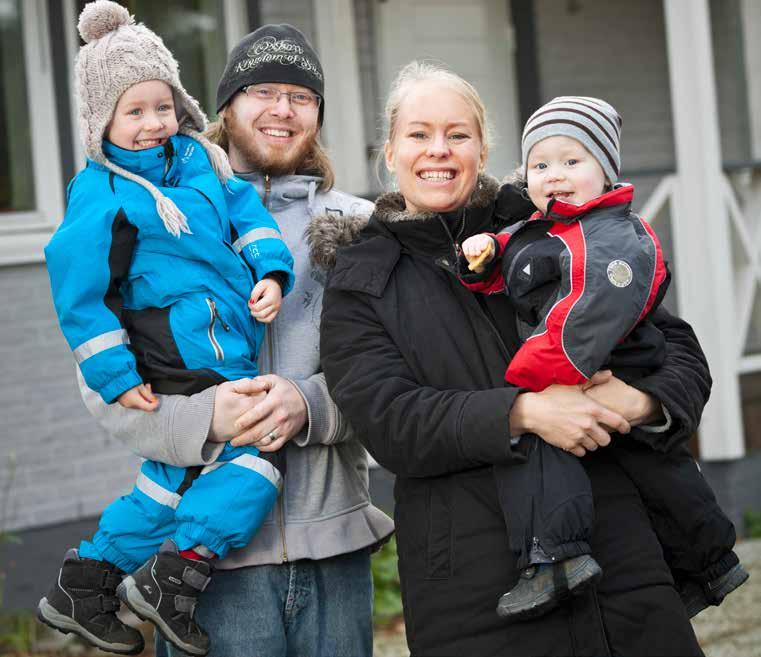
<point>273,53</point>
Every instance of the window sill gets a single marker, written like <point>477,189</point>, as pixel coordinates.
<point>23,248</point>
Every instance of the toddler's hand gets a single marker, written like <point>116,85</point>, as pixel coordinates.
<point>140,397</point>
<point>266,299</point>
<point>478,250</point>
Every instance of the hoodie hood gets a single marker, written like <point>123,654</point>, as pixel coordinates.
<point>278,192</point>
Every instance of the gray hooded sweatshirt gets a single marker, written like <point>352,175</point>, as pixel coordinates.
<point>324,509</point>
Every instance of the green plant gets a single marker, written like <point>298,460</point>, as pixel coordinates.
<point>388,597</point>
<point>752,523</point>
<point>18,632</point>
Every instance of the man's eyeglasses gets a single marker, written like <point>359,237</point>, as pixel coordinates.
<point>270,95</point>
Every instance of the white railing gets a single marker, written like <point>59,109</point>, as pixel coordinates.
<point>741,194</point>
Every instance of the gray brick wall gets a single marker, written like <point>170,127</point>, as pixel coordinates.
<point>56,464</point>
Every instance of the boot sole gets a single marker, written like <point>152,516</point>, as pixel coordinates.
<point>130,595</point>
<point>584,577</point>
<point>51,617</point>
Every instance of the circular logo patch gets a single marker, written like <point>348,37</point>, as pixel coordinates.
<point>620,273</point>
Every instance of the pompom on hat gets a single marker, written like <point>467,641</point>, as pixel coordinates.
<point>119,53</point>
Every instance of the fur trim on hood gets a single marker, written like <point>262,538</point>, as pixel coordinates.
<point>326,234</point>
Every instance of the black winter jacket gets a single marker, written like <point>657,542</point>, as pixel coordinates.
<point>415,362</point>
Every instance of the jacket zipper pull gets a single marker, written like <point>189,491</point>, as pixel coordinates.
<point>266,199</point>
<point>215,310</point>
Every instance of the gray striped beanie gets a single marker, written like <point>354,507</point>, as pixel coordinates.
<point>591,121</point>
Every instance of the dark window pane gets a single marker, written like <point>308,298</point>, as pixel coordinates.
<point>16,173</point>
<point>193,30</point>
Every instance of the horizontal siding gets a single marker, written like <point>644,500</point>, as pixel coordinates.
<point>616,50</point>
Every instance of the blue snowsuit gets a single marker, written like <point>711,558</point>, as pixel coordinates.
<point>137,304</point>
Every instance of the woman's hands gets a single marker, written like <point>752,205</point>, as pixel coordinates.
<point>636,406</point>
<point>564,416</point>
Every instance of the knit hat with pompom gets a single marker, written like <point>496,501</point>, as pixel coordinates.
<point>118,53</point>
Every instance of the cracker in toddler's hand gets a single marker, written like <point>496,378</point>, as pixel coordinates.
<point>476,264</point>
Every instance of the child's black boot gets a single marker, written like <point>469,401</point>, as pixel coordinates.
<point>541,587</point>
<point>164,591</point>
<point>83,601</point>
<point>698,596</point>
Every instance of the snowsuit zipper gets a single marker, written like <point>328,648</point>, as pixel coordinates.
<point>214,315</point>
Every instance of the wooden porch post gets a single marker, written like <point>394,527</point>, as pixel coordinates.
<point>700,222</point>
<point>344,132</point>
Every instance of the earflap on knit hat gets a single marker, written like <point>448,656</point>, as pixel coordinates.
<point>590,121</point>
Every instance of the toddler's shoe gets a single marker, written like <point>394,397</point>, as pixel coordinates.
<point>697,597</point>
<point>164,591</point>
<point>541,587</point>
<point>83,601</point>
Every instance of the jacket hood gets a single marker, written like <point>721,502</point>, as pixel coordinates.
<point>327,233</point>
<point>283,190</point>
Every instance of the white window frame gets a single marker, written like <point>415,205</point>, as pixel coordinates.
<point>24,234</point>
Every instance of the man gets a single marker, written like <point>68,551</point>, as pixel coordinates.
<point>303,585</point>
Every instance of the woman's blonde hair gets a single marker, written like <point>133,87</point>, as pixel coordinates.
<point>426,71</point>
<point>316,162</point>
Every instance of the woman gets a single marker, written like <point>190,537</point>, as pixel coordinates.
<point>415,362</point>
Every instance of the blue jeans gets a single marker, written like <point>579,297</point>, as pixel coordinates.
<point>304,608</point>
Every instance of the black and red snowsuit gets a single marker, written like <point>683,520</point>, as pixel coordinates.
<point>582,280</point>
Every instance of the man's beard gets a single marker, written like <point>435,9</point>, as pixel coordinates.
<point>272,163</point>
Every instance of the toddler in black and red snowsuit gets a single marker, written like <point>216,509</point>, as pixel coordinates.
<point>584,273</point>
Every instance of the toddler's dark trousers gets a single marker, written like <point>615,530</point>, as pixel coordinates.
<point>549,511</point>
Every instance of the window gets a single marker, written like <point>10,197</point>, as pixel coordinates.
<point>31,189</point>
<point>193,30</point>
<point>16,172</point>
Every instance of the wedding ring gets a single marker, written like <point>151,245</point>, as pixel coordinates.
<point>272,436</point>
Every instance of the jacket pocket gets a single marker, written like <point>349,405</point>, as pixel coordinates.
<point>440,537</point>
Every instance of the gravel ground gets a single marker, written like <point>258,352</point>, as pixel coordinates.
<point>731,630</point>
<point>734,628</point>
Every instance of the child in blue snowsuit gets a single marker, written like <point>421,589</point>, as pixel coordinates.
<point>161,261</point>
